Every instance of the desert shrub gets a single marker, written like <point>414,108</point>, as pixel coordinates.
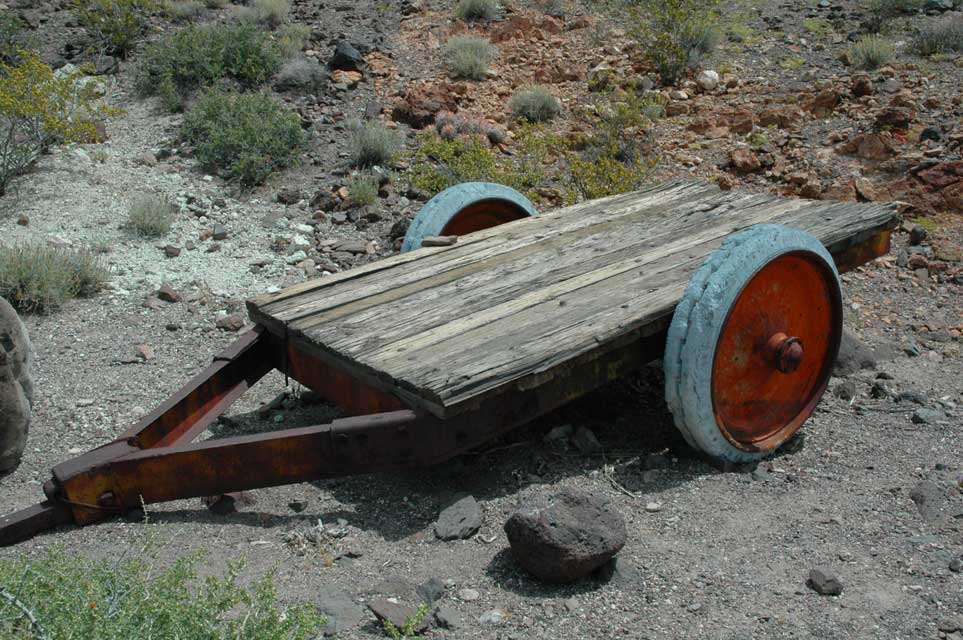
<point>534,104</point>
<point>299,73</point>
<point>438,163</point>
<point>40,278</point>
<point>943,35</point>
<point>14,38</point>
<point>150,215</point>
<point>363,190</point>
<point>115,26</point>
<point>71,596</point>
<point>452,125</point>
<point>39,109</point>
<point>268,13</point>
<point>244,136</point>
<point>372,144</point>
<point>197,56</point>
<point>476,10</point>
<point>291,38</point>
<point>676,35</point>
<point>870,52</point>
<point>469,56</point>
<point>184,10</point>
<point>215,4</point>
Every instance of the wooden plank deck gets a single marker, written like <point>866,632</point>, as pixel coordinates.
<point>445,328</point>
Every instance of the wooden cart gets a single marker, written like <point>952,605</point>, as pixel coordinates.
<point>436,350</point>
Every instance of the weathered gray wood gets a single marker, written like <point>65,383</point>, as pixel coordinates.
<point>504,308</point>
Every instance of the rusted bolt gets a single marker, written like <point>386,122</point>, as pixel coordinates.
<point>787,352</point>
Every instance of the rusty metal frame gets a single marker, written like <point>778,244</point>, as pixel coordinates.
<point>156,460</point>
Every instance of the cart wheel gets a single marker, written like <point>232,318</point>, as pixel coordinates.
<point>752,343</point>
<point>467,207</point>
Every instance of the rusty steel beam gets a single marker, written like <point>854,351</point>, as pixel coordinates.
<point>862,251</point>
<point>26,523</point>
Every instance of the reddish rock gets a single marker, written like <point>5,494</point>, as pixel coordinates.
<point>232,322</point>
<point>869,146</point>
<point>843,190</point>
<point>742,122</point>
<point>581,22</point>
<point>419,105</point>
<point>825,103</point>
<point>786,117</point>
<point>517,26</point>
<point>953,196</point>
<point>896,117</point>
<point>167,293</point>
<point>145,352</point>
<point>862,85</point>
<point>743,160</point>
<point>942,175</point>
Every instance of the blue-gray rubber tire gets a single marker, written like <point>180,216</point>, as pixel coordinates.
<point>697,325</point>
<point>439,210</point>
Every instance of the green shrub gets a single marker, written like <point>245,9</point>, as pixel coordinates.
<point>534,104</point>
<point>372,144</point>
<point>39,109</point>
<point>291,38</point>
<point>150,215</point>
<point>300,73</point>
<point>39,277</point>
<point>244,136</point>
<point>469,56</point>
<point>184,10</point>
<point>870,52</point>
<point>198,56</point>
<point>943,35</point>
<point>71,596</point>
<point>675,35</point>
<point>267,13</point>
<point>477,10</point>
<point>115,25</point>
<point>363,190</point>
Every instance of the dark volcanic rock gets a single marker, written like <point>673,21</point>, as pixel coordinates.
<point>853,356</point>
<point>459,520</point>
<point>346,58</point>
<point>823,582</point>
<point>566,536</point>
<point>928,499</point>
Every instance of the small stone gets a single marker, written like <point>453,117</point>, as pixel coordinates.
<point>85,402</point>
<point>926,415</point>
<point>879,391</point>
<point>346,57</point>
<point>219,232</point>
<point>431,591</point>
<point>23,220</point>
<point>289,195</point>
<point>153,303</point>
<point>446,618</point>
<point>930,133</point>
<point>586,442</point>
<point>459,520</point>
<point>956,565</point>
<point>147,159</point>
<point>468,595</point>
<point>823,582</point>
<point>951,624</point>
<point>297,506</point>
<point>493,617</point>
<point>397,613</point>
<point>167,293</point>
<point>708,80</point>
<point>171,251</point>
<point>853,356</point>
<point>145,352</point>
<point>928,499</point>
<point>743,160</point>
<point>845,390</point>
<point>918,234</point>
<point>653,507</point>
<point>232,322</point>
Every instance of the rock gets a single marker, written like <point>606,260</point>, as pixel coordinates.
<point>845,390</point>
<point>397,613</point>
<point>744,160</point>
<point>231,322</point>
<point>15,360</point>
<point>707,80</point>
<point>446,617</point>
<point>563,537</point>
<point>825,103</point>
<point>928,499</point>
<point>419,105</point>
<point>145,352</point>
<point>930,133</point>
<point>23,220</point>
<point>897,117</point>
<point>431,591</point>
<point>956,565</point>
<point>459,520</point>
<point>350,79</point>
<point>925,415</point>
<point>227,503</point>
<point>917,234</point>
<point>167,293</point>
<point>468,595</point>
<point>870,146</point>
<point>853,356</point>
<point>951,624</point>
<point>219,232</point>
<point>862,85</point>
<point>289,195</point>
<point>823,582</point>
<point>171,251</point>
<point>653,507</point>
<point>147,159</point>
<point>493,617</point>
<point>346,58</point>
<point>341,611</point>
<point>586,442</point>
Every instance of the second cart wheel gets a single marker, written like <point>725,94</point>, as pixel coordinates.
<point>467,207</point>
<point>752,344</point>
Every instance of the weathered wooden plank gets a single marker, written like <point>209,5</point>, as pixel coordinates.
<point>513,306</point>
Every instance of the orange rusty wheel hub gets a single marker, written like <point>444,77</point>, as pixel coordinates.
<point>776,351</point>
<point>483,215</point>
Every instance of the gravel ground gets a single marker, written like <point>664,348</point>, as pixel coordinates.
<point>723,555</point>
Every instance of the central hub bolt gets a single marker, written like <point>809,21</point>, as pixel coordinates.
<point>787,352</point>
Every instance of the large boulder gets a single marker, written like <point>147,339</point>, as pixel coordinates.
<point>563,537</point>
<point>853,356</point>
<point>16,387</point>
